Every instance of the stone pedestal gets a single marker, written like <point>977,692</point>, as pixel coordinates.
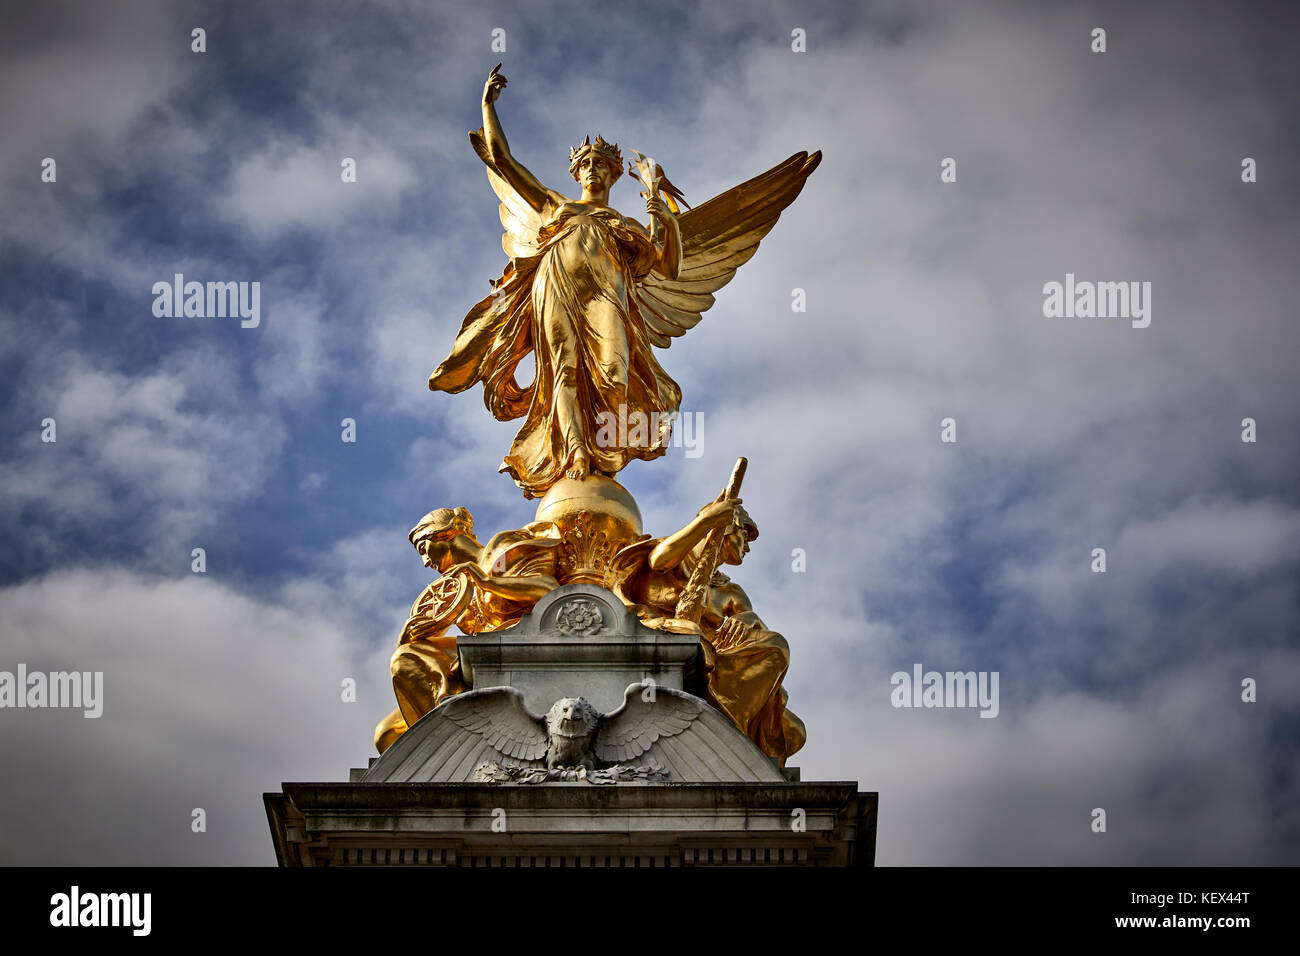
<point>657,776</point>
<point>579,641</point>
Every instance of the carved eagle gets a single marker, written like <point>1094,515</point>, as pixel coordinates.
<point>573,733</point>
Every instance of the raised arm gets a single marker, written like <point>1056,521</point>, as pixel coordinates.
<point>498,150</point>
<point>669,552</point>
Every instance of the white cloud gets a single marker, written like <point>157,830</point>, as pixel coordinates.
<point>1182,770</point>
<point>290,185</point>
<point>168,451</point>
<point>210,699</point>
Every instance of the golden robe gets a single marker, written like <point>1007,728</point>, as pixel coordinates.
<point>598,384</point>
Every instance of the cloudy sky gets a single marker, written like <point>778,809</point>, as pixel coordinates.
<point>1119,690</point>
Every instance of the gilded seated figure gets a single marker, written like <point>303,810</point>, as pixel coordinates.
<point>744,663</point>
<point>480,589</point>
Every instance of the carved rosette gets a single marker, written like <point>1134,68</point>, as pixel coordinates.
<point>579,617</point>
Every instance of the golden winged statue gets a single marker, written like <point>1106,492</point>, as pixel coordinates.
<point>591,293</point>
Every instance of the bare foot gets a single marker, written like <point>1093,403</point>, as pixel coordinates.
<point>580,468</point>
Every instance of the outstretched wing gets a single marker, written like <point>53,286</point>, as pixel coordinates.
<point>499,717</point>
<point>520,220</point>
<point>462,733</point>
<point>717,238</point>
<point>635,727</point>
<point>683,735</point>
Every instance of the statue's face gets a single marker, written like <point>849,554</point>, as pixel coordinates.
<point>595,174</point>
<point>735,546</point>
<point>434,553</point>
<point>571,716</point>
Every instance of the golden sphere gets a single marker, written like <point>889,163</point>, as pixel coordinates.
<point>611,506</point>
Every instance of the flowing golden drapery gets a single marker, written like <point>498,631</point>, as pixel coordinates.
<point>744,681</point>
<point>598,387</point>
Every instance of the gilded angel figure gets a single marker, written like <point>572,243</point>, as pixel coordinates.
<point>589,292</point>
